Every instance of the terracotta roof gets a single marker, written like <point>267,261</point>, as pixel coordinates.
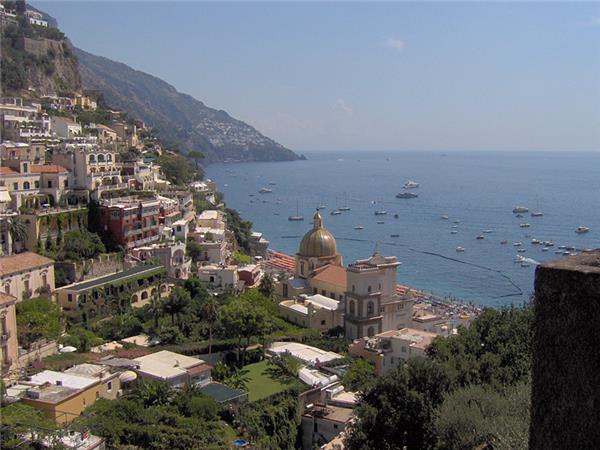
<point>22,261</point>
<point>47,168</point>
<point>335,275</point>
<point>280,261</point>
<point>6,170</point>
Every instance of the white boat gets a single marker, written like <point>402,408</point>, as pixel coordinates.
<point>545,249</point>
<point>344,208</point>
<point>359,227</point>
<point>487,231</point>
<point>411,184</point>
<point>297,217</point>
<point>445,217</point>
<point>504,242</point>
<point>548,244</point>
<point>524,225</point>
<point>272,184</point>
<point>454,226</point>
<point>320,207</point>
<point>517,244</point>
<point>454,232</point>
<point>265,190</point>
<point>521,250</point>
<point>520,209</point>
<point>381,212</point>
<point>581,229</point>
<point>460,249</point>
<point>335,212</point>
<point>537,214</point>
<point>406,195</point>
<point>535,242</point>
<point>480,237</point>
<point>524,264</point>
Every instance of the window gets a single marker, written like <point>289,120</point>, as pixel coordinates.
<point>323,293</point>
<point>26,185</point>
<point>37,184</point>
<point>403,349</point>
<point>16,186</point>
<point>370,308</point>
<point>369,289</point>
<point>351,307</point>
<point>332,295</point>
<point>92,159</point>
<point>353,288</point>
<point>371,332</point>
<point>97,395</point>
<point>109,386</point>
<point>66,183</point>
<point>70,297</point>
<point>49,183</point>
<point>302,268</point>
<point>25,167</point>
<point>322,322</point>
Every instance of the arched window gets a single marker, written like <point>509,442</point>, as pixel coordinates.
<point>144,295</point>
<point>26,185</point>
<point>370,331</point>
<point>92,158</point>
<point>370,308</point>
<point>351,307</point>
<point>369,289</point>
<point>302,268</point>
<point>101,158</point>
<point>109,157</point>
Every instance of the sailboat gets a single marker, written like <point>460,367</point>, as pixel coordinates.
<point>345,207</point>
<point>297,217</point>
<point>538,212</point>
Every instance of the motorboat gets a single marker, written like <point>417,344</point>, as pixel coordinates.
<point>562,247</point>
<point>520,209</point>
<point>487,231</point>
<point>537,214</point>
<point>320,207</point>
<point>535,242</point>
<point>517,244</point>
<point>524,264</point>
<point>454,232</point>
<point>265,190</point>
<point>272,184</point>
<point>460,249</point>
<point>381,222</point>
<point>524,225</point>
<point>407,195</point>
<point>504,242</point>
<point>456,221</point>
<point>445,217</point>
<point>295,218</point>
<point>344,208</point>
<point>521,250</point>
<point>394,235</point>
<point>480,237</point>
<point>276,213</point>
<point>548,244</point>
<point>545,249</point>
<point>396,216</point>
<point>359,227</point>
<point>411,185</point>
<point>381,212</point>
<point>335,212</point>
<point>581,229</point>
<point>454,226</point>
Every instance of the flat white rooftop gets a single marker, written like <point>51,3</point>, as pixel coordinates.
<point>305,353</point>
<point>68,380</point>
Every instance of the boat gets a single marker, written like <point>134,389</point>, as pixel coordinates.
<point>335,212</point>
<point>359,227</point>
<point>562,247</point>
<point>535,242</point>
<point>519,216</point>
<point>581,229</point>
<point>558,252</point>
<point>454,226</point>
<point>460,249</point>
<point>545,249</point>
<point>566,253</point>
<point>345,207</point>
<point>548,244</point>
<point>276,213</point>
<point>524,225</point>
<point>265,190</point>
<point>320,207</point>
<point>394,235</point>
<point>381,222</point>
<point>411,185</point>
<point>487,231</point>
<point>297,217</point>
<point>504,242</point>
<point>272,184</point>
<point>381,212</point>
<point>445,217</point>
<point>454,232</point>
<point>520,209</point>
<point>480,237</point>
<point>396,216</point>
<point>406,195</point>
<point>521,250</point>
<point>524,264</point>
<point>250,195</point>
<point>517,244</point>
<point>456,221</point>
<point>537,214</point>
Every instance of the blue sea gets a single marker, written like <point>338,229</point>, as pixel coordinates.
<point>478,189</point>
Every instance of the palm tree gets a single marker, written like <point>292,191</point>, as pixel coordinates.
<point>178,301</point>
<point>210,314</point>
<point>17,230</point>
<point>155,307</point>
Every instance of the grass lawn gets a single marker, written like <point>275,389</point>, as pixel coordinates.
<point>261,385</point>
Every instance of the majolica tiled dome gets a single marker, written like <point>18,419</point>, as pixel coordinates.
<point>318,242</point>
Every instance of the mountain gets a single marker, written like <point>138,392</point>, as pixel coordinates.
<point>180,119</point>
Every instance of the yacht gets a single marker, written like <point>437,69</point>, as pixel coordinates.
<point>548,244</point>
<point>265,190</point>
<point>381,212</point>
<point>520,209</point>
<point>460,249</point>
<point>524,225</point>
<point>406,195</point>
<point>335,212</point>
<point>411,184</point>
<point>359,227</point>
<point>581,229</point>
<point>538,212</point>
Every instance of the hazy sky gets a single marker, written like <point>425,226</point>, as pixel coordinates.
<point>386,76</point>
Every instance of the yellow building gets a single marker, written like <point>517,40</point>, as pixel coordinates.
<point>63,396</point>
<point>26,275</point>
<point>317,312</point>
<point>9,352</point>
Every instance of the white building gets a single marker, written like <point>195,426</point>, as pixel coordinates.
<point>174,369</point>
<point>65,128</point>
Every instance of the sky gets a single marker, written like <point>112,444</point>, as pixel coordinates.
<point>361,76</point>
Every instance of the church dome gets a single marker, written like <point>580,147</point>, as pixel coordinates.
<point>318,242</point>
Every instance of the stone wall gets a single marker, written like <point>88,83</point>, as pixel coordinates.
<point>565,408</point>
<point>92,268</point>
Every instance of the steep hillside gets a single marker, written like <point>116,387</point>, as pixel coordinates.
<point>180,119</point>
<point>36,59</point>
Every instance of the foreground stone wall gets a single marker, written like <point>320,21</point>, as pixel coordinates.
<point>565,409</point>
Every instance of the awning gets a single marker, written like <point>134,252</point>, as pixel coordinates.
<point>4,196</point>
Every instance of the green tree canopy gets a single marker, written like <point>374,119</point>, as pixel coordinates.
<point>37,318</point>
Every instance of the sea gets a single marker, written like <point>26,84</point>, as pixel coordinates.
<point>476,190</point>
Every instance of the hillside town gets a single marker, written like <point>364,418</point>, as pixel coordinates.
<point>138,311</point>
